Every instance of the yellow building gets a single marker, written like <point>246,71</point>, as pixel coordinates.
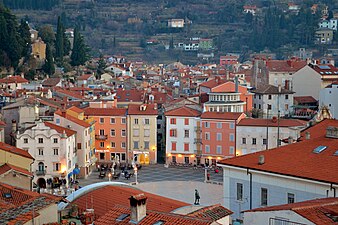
<point>39,49</point>
<point>142,133</point>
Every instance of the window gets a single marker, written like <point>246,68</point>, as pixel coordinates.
<point>286,97</point>
<point>239,192</point>
<point>172,121</point>
<point>146,132</point>
<point>232,125</point>
<point>291,198</point>
<point>102,155</point>
<point>123,156</point>
<point>102,144</point>
<point>219,136</point>
<point>186,121</point>
<point>123,145</point>
<point>186,147</point>
<point>123,121</point>
<point>269,107</point>
<point>101,132</point>
<point>207,136</point>
<point>173,146</point>
<point>57,121</point>
<point>206,124</point>
<point>232,150</point>
<point>232,137</point>
<point>56,166</point>
<point>40,151</point>
<point>112,132</point>
<point>264,196</point>
<point>101,120</point>
<point>186,160</point>
<point>186,133</point>
<point>264,141</point>
<point>55,140</point>
<point>146,121</point>
<point>259,96</point>
<point>219,149</point>
<point>173,133</point>
<point>123,133</point>
<point>25,140</point>
<point>40,140</point>
<point>286,106</point>
<point>136,132</point>
<point>113,144</point>
<point>41,166</point>
<point>112,120</point>
<point>135,121</point>
<point>254,141</point>
<point>174,159</point>
<point>244,141</point>
<point>207,149</point>
<point>146,145</point>
<point>56,151</point>
<point>269,97</point>
<point>135,144</point>
<point>78,145</point>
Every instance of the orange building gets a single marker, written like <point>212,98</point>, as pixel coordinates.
<point>110,133</point>
<point>219,135</point>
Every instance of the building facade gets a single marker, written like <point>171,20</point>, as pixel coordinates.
<point>328,98</point>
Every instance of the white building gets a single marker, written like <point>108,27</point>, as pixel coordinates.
<point>54,150</point>
<point>182,135</point>
<point>292,173</point>
<point>328,97</point>
<point>176,23</point>
<point>331,24</point>
<point>270,99</point>
<point>253,135</point>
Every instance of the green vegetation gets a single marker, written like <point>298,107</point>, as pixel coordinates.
<point>80,50</point>
<point>31,4</point>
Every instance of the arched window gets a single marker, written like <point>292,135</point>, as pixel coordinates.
<point>41,166</point>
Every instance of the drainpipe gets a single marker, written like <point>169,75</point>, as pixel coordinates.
<point>250,195</point>
<point>334,190</point>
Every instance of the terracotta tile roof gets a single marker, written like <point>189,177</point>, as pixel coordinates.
<point>213,212</point>
<point>150,109</point>
<point>304,99</point>
<point>183,111</point>
<point>317,211</point>
<point>221,115</point>
<point>105,111</point>
<point>295,160</point>
<point>263,122</point>
<point>76,109</point>
<point>68,93</point>
<point>319,129</point>
<point>270,89</point>
<point>51,82</point>
<point>13,79</point>
<point>7,167</point>
<point>105,198</point>
<point>326,70</point>
<point>151,217</point>
<point>73,119</point>
<point>20,204</point>
<point>132,95</point>
<point>213,83</point>
<point>285,65</point>
<point>15,150</point>
<point>84,77</point>
<point>60,129</point>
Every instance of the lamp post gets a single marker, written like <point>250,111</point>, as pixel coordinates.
<point>135,173</point>
<point>109,176</point>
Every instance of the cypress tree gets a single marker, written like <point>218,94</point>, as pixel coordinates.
<point>80,50</point>
<point>59,47</point>
<point>49,67</point>
<point>25,38</point>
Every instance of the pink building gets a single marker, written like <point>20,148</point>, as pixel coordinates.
<point>219,135</point>
<point>228,60</point>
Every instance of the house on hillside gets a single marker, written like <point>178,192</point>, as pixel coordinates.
<point>176,23</point>
<point>324,36</point>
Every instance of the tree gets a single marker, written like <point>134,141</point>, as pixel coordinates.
<point>101,65</point>
<point>59,41</point>
<point>25,38</point>
<point>49,67</point>
<point>80,50</point>
<point>171,43</point>
<point>47,34</point>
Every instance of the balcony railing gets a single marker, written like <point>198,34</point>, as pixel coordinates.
<point>198,141</point>
<point>276,221</point>
<point>40,172</point>
<point>101,137</point>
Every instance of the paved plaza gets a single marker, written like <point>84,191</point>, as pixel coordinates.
<point>174,182</point>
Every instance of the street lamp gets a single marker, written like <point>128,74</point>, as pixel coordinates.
<point>109,176</point>
<point>135,173</point>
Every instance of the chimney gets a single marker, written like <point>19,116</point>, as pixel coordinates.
<point>290,140</point>
<point>236,84</point>
<point>307,135</point>
<point>138,207</point>
<point>332,132</point>
<point>261,160</point>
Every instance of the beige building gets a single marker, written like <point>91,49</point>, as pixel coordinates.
<point>39,49</point>
<point>142,133</point>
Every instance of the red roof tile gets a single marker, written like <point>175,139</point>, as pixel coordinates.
<point>68,93</point>
<point>150,109</point>
<point>51,82</point>
<point>60,129</point>
<point>13,79</point>
<point>73,119</point>
<point>105,198</point>
<point>213,83</point>
<point>271,122</point>
<point>14,150</point>
<point>132,95</point>
<point>318,129</point>
<point>285,65</point>
<point>84,77</point>
<point>221,115</point>
<point>105,111</point>
<point>7,167</point>
<point>75,109</point>
<point>316,210</point>
<point>183,111</point>
<point>304,99</point>
<point>296,160</point>
<point>213,212</point>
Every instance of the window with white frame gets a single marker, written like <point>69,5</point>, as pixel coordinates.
<point>135,144</point>
<point>219,125</point>
<point>40,151</point>
<point>112,132</point>
<point>123,121</point>
<point>219,136</point>
<point>254,141</point>
<point>232,150</point>
<point>112,120</point>
<point>25,140</point>
<point>123,144</point>
<point>232,125</point>
<point>207,149</point>
<point>186,133</point>
<point>291,198</point>
<point>113,144</point>
<point>101,120</point>
<point>207,136</point>
<point>146,121</point>
<point>244,141</point>
<point>135,121</point>
<point>123,133</point>
<point>101,144</point>
<point>136,132</point>
<point>56,166</point>
<point>146,145</point>
<point>219,149</point>
<point>206,124</point>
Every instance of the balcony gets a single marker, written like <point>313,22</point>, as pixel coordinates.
<point>40,172</point>
<point>198,141</point>
<point>101,137</point>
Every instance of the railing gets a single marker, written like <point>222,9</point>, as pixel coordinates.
<point>101,137</point>
<point>40,172</point>
<point>276,221</point>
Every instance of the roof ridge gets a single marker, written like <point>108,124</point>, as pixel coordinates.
<point>315,205</point>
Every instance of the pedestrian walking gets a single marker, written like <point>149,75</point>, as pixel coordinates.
<point>197,197</point>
